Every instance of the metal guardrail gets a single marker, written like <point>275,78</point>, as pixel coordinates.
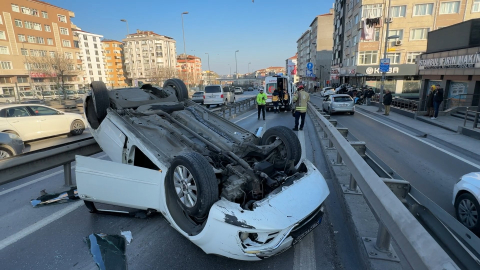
<point>236,107</point>
<point>31,163</point>
<point>475,118</point>
<point>402,103</point>
<point>419,247</point>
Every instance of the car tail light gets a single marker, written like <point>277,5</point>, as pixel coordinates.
<point>221,95</point>
<point>203,96</point>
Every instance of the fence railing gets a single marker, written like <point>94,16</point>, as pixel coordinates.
<point>402,103</point>
<point>237,107</point>
<point>420,249</point>
<point>461,100</point>
<point>475,117</point>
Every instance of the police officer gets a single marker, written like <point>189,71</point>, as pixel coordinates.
<point>261,102</point>
<point>301,99</point>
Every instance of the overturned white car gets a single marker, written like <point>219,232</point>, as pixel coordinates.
<point>230,192</point>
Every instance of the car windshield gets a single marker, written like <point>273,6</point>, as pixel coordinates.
<point>213,89</point>
<point>47,93</point>
<point>70,92</point>
<point>342,99</point>
<point>81,91</point>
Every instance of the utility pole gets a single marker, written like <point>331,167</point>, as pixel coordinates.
<point>209,71</point>
<point>184,47</point>
<point>236,66</point>
<point>382,86</point>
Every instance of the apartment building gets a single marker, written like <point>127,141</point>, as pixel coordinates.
<point>189,69</point>
<point>33,28</point>
<point>114,58</point>
<point>91,54</point>
<point>360,33</point>
<point>145,53</point>
<point>303,56</point>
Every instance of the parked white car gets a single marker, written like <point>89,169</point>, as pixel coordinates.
<point>5,99</point>
<point>228,191</point>
<point>466,198</point>
<point>322,93</point>
<point>33,121</point>
<point>238,90</point>
<point>218,95</point>
<point>338,103</point>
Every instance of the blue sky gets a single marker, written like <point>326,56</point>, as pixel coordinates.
<point>265,32</point>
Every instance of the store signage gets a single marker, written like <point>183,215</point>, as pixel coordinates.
<point>461,61</point>
<point>373,70</point>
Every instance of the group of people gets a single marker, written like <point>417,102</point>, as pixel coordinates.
<point>434,99</point>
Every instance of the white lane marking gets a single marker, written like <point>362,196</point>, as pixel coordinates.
<point>304,254</point>
<point>244,117</point>
<point>427,143</point>
<point>39,179</point>
<point>38,225</point>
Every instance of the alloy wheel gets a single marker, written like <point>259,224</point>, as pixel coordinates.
<point>4,154</point>
<point>185,186</point>
<point>468,213</point>
<point>77,127</point>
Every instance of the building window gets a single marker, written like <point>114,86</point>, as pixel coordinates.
<point>356,19</point>
<point>98,66</point>
<point>86,44</point>
<point>40,40</point>
<point>96,52</point>
<point>24,52</point>
<point>18,23</point>
<point>98,59</point>
<point>76,44</point>
<point>367,57</point>
<point>419,33</point>
<point>89,65</point>
<point>68,55</point>
<point>394,58</point>
<point>87,51</point>
<point>43,53</point>
<point>412,57</point>
<point>15,8</point>
<point>94,38</point>
<point>52,54</point>
<point>99,72</point>
<point>28,25</point>
<point>37,26</point>
<point>90,72</point>
<point>372,11</point>
<point>4,50</point>
<point>449,7</point>
<point>88,59</point>
<point>47,28</point>
<point>22,38</point>
<point>49,41</point>
<point>66,43</point>
<point>423,9</point>
<point>476,6</point>
<point>398,11</point>
<point>25,10</point>
<point>376,35</point>
<point>22,79</point>
<point>34,12</point>
<point>2,35</point>
<point>31,39</point>
<point>45,14</point>
<point>95,46</point>
<point>6,65</point>
<point>398,32</point>
<point>62,18</point>
<point>63,31</point>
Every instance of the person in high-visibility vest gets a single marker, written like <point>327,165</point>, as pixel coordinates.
<point>275,100</point>
<point>261,101</point>
<point>301,99</point>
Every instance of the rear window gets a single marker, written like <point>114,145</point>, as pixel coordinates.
<point>198,93</point>
<point>342,99</point>
<point>213,89</point>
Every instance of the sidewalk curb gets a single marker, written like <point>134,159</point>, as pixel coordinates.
<point>425,135</point>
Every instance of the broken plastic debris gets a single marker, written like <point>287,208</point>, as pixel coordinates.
<point>62,197</point>
<point>108,251</point>
<point>128,236</point>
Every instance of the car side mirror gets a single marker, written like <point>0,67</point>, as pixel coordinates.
<point>60,113</point>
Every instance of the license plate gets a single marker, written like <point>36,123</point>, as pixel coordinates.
<point>343,105</point>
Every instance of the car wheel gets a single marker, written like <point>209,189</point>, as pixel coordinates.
<point>329,111</point>
<point>208,105</point>
<point>5,153</point>
<point>192,180</point>
<point>77,127</point>
<point>467,210</point>
<point>101,100</point>
<point>226,102</point>
<point>290,149</point>
<point>352,113</point>
<point>181,90</point>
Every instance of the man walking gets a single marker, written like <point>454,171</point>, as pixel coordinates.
<point>387,101</point>
<point>261,101</point>
<point>430,101</point>
<point>437,100</point>
<point>301,99</point>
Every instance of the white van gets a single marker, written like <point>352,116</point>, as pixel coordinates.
<point>218,95</point>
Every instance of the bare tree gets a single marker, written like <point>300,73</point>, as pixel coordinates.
<point>57,65</point>
<point>160,74</point>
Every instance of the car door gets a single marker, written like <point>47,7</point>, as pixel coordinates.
<point>25,124</point>
<point>119,184</point>
<point>326,102</point>
<point>52,122</point>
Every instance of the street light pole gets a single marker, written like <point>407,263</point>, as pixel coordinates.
<point>236,66</point>
<point>125,21</point>
<point>208,67</point>
<point>184,47</point>
<point>248,70</point>
<point>382,85</point>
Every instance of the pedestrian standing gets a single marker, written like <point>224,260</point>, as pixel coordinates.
<point>368,95</point>
<point>437,100</point>
<point>387,101</point>
<point>301,99</point>
<point>261,102</point>
<point>275,100</point>
<point>430,101</point>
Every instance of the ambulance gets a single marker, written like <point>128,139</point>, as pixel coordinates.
<point>281,83</point>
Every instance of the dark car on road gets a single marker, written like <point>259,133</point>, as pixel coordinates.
<point>198,97</point>
<point>10,145</point>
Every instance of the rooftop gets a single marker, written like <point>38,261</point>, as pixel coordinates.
<point>47,4</point>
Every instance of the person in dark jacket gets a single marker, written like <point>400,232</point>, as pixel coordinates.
<point>368,95</point>
<point>437,100</point>
<point>387,101</point>
<point>430,101</point>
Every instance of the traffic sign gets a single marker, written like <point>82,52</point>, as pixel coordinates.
<point>384,65</point>
<point>309,65</point>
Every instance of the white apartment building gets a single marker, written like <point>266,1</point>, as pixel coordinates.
<point>303,50</point>
<point>146,53</point>
<point>91,54</point>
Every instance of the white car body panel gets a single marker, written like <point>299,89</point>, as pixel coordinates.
<point>112,140</point>
<point>469,182</point>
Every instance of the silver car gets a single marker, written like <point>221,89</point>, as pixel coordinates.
<point>338,103</point>
<point>198,97</point>
<point>10,145</point>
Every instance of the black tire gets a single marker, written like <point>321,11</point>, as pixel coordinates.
<point>5,153</point>
<point>101,101</point>
<point>208,106</point>
<point>77,127</point>
<point>352,113</point>
<point>467,197</point>
<point>291,145</point>
<point>204,181</point>
<point>181,90</point>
